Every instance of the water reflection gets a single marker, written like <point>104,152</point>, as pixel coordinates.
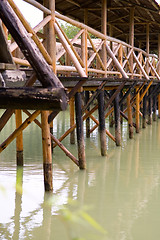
<point>119,193</point>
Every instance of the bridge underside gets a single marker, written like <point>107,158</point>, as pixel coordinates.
<point>110,64</point>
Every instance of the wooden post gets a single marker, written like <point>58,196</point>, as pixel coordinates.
<point>111,120</point>
<point>149,109</point>
<point>50,41</point>
<point>144,111</point>
<point>19,138</point>
<point>154,107</point>
<point>104,31</point>
<point>137,111</point>
<point>47,152</point>
<point>88,119</point>
<point>72,120</point>
<point>80,134</point>
<point>117,120</point>
<point>102,129</point>
<point>159,73</point>
<point>130,121</point>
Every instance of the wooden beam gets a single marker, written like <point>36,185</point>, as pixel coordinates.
<point>32,98</point>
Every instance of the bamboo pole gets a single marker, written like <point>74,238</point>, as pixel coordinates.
<point>47,153</point>
<point>19,138</point>
<point>70,52</point>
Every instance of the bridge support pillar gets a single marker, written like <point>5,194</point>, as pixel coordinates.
<point>102,129</point>
<point>144,111</point>
<point>117,120</point>
<point>130,121</point>
<point>47,152</point>
<point>88,119</point>
<point>80,133</point>
<point>19,138</point>
<point>72,120</point>
<point>154,108</point>
<point>149,109</point>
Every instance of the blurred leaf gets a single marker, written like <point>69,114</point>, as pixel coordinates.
<point>92,222</point>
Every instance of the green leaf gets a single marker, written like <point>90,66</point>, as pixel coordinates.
<point>93,223</point>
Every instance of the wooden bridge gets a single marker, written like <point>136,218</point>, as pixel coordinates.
<point>113,58</point>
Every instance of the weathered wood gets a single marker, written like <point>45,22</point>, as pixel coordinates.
<point>144,111</point>
<point>149,109</point>
<point>159,105</point>
<point>125,117</point>
<point>19,138</point>
<point>72,120</point>
<point>47,152</point>
<point>130,121</point>
<point>102,129</point>
<point>32,98</point>
<point>80,134</point>
<point>88,119</point>
<point>117,120</point>
<point>137,111</point>
<point>28,47</point>
<point>5,56</point>
<point>154,108</point>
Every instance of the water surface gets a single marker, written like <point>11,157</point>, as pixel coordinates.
<point>116,198</point>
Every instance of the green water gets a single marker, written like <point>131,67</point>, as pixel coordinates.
<point>116,198</point>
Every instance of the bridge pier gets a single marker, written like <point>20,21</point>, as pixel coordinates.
<point>102,129</point>
<point>80,133</point>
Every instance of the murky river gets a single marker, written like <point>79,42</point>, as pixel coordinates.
<point>116,198</point>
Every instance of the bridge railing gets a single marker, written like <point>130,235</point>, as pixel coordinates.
<point>84,54</point>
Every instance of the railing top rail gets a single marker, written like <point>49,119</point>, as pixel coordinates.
<point>91,30</point>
